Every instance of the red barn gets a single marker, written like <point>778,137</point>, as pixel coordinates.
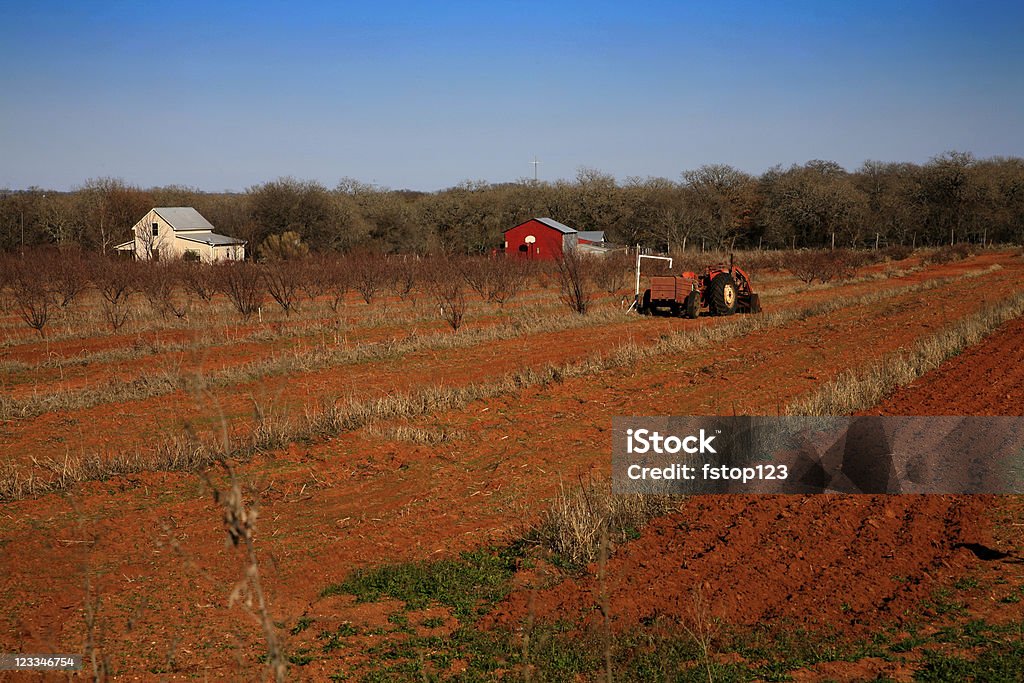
<point>539,238</point>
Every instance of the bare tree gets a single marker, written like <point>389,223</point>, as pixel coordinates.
<point>198,279</point>
<point>575,281</point>
<point>282,279</point>
<point>240,282</point>
<point>611,273</point>
<point>339,280</point>
<point>406,274</point>
<point>69,275</point>
<point>32,295</point>
<point>448,290</point>
<point>116,280</point>
<point>315,280</point>
<point>508,278</point>
<point>369,275</point>
<point>159,283</point>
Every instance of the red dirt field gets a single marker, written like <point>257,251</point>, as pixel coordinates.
<point>152,547</point>
<point>987,379</point>
<point>819,561</point>
<point>135,425</point>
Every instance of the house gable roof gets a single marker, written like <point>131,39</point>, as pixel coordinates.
<point>183,218</point>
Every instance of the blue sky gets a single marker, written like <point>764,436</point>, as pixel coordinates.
<point>424,95</point>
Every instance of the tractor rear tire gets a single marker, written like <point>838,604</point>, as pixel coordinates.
<point>722,295</point>
<point>645,303</point>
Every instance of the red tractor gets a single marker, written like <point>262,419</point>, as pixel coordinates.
<point>721,290</point>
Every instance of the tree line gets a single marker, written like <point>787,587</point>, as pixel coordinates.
<point>954,197</point>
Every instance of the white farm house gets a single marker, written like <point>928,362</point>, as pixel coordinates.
<point>180,232</point>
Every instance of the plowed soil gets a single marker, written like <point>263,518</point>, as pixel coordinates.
<point>850,563</point>
<point>985,380</point>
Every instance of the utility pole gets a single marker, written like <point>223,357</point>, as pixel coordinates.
<point>535,164</point>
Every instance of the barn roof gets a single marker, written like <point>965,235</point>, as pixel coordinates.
<point>551,223</point>
<point>592,235</point>
<point>560,227</point>
<point>212,239</point>
<point>183,218</point>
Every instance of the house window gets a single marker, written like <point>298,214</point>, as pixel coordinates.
<point>156,229</point>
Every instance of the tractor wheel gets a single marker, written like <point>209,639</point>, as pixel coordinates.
<point>692,305</point>
<point>722,295</point>
<point>645,303</point>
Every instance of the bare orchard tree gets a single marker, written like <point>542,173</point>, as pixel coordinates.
<point>339,280</point>
<point>575,281</point>
<point>316,276</point>
<point>448,289</point>
<point>116,279</point>
<point>197,278</point>
<point>69,275</point>
<point>369,275</point>
<point>161,284</point>
<point>508,277</point>
<point>33,296</point>
<point>406,274</point>
<point>476,272</point>
<point>282,278</point>
<point>240,282</point>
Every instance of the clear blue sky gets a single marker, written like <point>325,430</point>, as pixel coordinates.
<point>422,95</point>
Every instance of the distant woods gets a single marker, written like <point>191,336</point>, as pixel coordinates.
<point>953,197</point>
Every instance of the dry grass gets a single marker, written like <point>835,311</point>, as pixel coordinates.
<point>579,516</point>
<point>167,381</point>
<point>415,435</point>
<point>866,387</point>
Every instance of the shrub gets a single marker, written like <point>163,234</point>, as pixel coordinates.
<point>898,252</point>
<point>283,247</point>
<point>948,254</point>
<point>824,266</point>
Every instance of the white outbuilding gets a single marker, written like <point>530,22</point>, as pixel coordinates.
<point>180,232</point>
